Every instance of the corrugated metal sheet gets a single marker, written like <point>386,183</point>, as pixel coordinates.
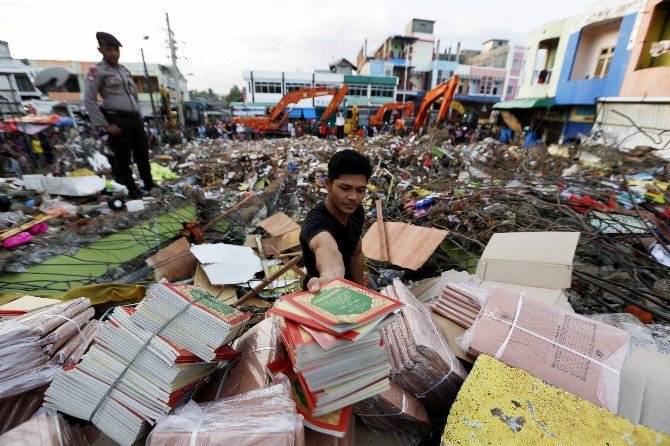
<point>628,125</point>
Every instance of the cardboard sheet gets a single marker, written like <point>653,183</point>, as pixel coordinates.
<point>536,259</point>
<point>174,262</point>
<point>224,293</point>
<point>25,304</point>
<point>227,264</point>
<point>281,242</point>
<point>408,246</point>
<point>279,224</point>
<point>645,389</point>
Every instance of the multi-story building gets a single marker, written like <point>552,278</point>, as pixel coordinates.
<point>408,57</point>
<point>16,84</point>
<point>571,64</point>
<point>266,88</point>
<point>485,78</point>
<point>73,90</point>
<point>640,114</point>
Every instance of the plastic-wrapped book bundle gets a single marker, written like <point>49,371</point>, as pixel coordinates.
<point>264,417</point>
<point>422,362</point>
<point>134,374</point>
<point>566,350</point>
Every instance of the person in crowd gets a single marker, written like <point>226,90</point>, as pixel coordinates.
<point>331,233</point>
<point>339,125</point>
<point>120,114</point>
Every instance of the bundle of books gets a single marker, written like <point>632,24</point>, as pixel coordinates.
<point>422,361</point>
<point>134,374</point>
<point>263,417</point>
<point>34,346</point>
<point>459,302</point>
<point>335,349</point>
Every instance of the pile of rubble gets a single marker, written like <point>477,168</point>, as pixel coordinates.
<point>585,232</point>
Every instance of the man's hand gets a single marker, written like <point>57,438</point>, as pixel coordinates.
<point>113,129</point>
<point>314,284</point>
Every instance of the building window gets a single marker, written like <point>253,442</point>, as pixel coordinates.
<point>23,82</point>
<point>358,90</point>
<point>515,63</point>
<point>143,85</point>
<point>383,91</point>
<point>604,62</point>
<point>658,31</point>
<point>267,87</point>
<point>510,89</point>
<point>293,86</point>
<point>444,75</point>
<point>544,61</point>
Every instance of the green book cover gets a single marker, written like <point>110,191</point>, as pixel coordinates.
<point>341,302</point>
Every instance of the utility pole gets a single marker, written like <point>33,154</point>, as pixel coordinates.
<point>175,74</point>
<point>404,89</point>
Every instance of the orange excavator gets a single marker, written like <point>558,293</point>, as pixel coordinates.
<point>378,118</point>
<point>446,91</point>
<point>279,113</point>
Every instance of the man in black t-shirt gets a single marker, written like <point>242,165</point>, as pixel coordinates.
<point>331,232</point>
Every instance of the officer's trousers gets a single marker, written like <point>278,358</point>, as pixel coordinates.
<point>132,140</point>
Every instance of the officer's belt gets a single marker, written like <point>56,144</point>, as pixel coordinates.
<point>121,113</point>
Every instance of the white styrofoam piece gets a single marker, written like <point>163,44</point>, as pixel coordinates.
<point>227,264</point>
<point>135,205</point>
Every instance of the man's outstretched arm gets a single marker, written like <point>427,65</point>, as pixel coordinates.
<point>329,260</point>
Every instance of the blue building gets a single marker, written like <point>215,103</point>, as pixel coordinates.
<point>595,61</point>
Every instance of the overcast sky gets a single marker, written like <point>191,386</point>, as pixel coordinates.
<point>217,40</point>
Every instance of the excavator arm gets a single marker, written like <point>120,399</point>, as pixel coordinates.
<point>378,118</point>
<point>338,97</point>
<point>279,113</point>
<point>446,91</point>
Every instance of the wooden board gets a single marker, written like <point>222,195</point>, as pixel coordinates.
<point>279,224</point>
<point>408,246</point>
<point>174,262</point>
<point>282,242</point>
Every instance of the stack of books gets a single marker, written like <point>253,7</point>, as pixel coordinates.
<point>334,345</point>
<point>34,346</point>
<point>459,302</point>
<point>204,325</point>
<point>421,359</point>
<point>129,377</point>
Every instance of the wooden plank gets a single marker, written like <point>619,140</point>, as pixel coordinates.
<point>285,261</point>
<point>267,281</point>
<point>279,224</point>
<point>383,249</point>
<point>213,223</point>
<point>17,230</point>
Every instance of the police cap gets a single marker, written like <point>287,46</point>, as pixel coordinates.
<point>107,39</point>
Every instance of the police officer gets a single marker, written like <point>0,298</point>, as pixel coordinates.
<point>120,115</point>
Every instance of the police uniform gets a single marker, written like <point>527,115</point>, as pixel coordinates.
<point>120,106</point>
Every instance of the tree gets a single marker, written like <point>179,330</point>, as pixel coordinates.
<point>234,95</point>
<point>205,95</point>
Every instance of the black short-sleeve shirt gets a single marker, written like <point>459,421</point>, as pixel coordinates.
<point>346,236</point>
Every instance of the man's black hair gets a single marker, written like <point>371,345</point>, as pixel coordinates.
<point>349,162</point>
